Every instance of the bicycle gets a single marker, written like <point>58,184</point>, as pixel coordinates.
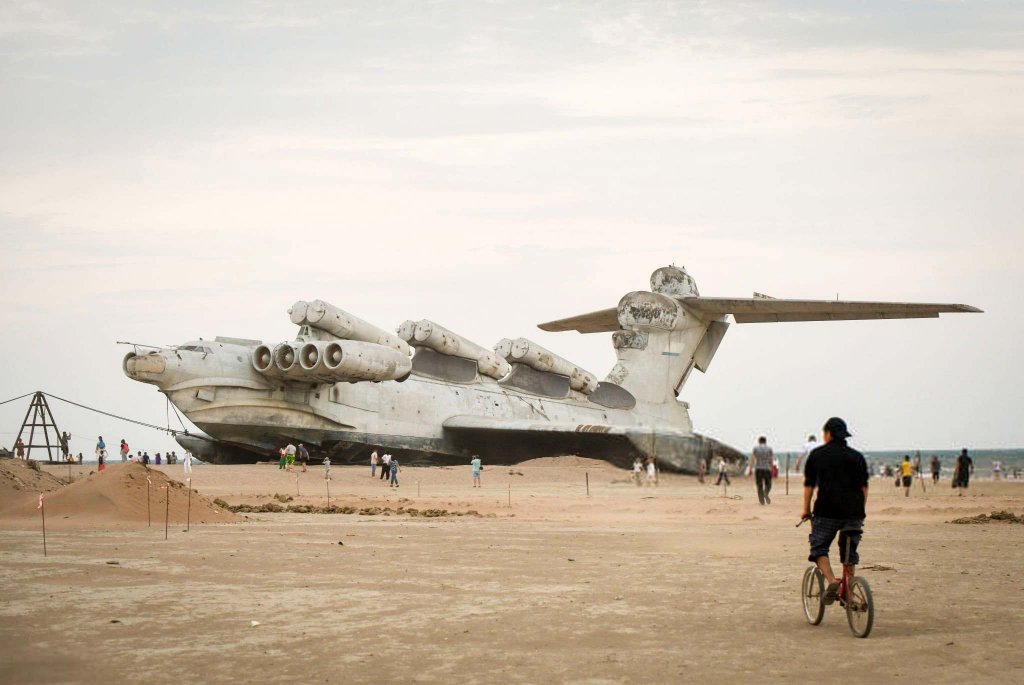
<point>854,595</point>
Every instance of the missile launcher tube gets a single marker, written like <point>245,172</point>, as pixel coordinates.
<point>526,352</point>
<point>440,339</point>
<point>286,361</point>
<point>337,322</point>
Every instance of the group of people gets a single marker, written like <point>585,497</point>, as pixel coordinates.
<point>140,456</point>
<point>389,468</point>
<point>640,470</point>
<point>290,454</point>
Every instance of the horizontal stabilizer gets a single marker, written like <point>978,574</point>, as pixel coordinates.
<point>770,310</point>
<point>602,321</point>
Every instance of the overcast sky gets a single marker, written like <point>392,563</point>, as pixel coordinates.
<point>175,170</point>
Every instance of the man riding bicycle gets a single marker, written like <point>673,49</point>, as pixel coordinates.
<point>840,475</point>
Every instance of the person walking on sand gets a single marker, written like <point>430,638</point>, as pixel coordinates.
<point>327,468</point>
<point>477,467</point>
<point>997,470</point>
<point>723,473</point>
<point>761,460</point>
<point>964,469</point>
<point>289,457</point>
<point>638,472</point>
<point>101,460</point>
<point>936,468</point>
<point>906,474</point>
<point>303,456</point>
<point>284,460</point>
<point>124,451</point>
<point>101,447</point>
<point>19,449</point>
<point>145,458</point>
<point>702,470</point>
<point>652,472</point>
<point>374,460</point>
<point>394,467</point>
<point>385,467</point>
<point>809,446</point>
<point>186,463</point>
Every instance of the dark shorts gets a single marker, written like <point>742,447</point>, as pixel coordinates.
<point>824,531</point>
<point>907,480</point>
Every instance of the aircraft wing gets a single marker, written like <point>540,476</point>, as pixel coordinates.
<point>768,310</point>
<point>601,321</point>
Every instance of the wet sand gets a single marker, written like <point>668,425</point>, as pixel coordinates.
<point>628,585</point>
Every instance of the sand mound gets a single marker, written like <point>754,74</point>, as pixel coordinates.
<point>1007,516</point>
<point>18,481</point>
<point>118,495</point>
<point>568,460</point>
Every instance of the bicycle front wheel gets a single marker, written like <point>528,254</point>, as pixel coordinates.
<point>860,607</point>
<point>812,588</point>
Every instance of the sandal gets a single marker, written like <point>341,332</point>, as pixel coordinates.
<point>831,593</point>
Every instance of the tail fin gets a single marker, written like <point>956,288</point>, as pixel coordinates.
<point>657,340</point>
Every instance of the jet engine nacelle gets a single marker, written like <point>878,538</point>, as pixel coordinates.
<point>524,351</point>
<point>327,317</point>
<point>353,360</point>
<point>428,334</point>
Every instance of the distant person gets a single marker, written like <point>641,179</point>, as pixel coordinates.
<point>101,460</point>
<point>917,463</point>
<point>394,467</point>
<point>100,447</point>
<point>997,470</point>
<point>374,460</point>
<point>906,475</point>
<point>964,469</point>
<point>79,457</point>
<point>761,461</point>
<point>936,468</point>
<point>702,470</point>
<point>809,446</point>
<point>145,458</point>
<point>652,472</point>
<point>65,441</point>
<point>638,472</point>
<point>186,463</point>
<point>124,451</point>
<point>840,476</point>
<point>284,460</point>
<point>158,459</point>
<point>327,468</point>
<point>303,456</point>
<point>723,473</point>
<point>477,467</point>
<point>19,449</point>
<point>289,457</point>
<point>385,462</point>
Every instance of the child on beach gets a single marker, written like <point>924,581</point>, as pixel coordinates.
<point>395,468</point>
<point>477,467</point>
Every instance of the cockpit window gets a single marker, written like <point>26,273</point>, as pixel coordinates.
<point>196,348</point>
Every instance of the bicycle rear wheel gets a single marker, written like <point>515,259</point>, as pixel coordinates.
<point>860,607</point>
<point>811,590</point>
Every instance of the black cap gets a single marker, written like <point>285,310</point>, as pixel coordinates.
<point>837,428</point>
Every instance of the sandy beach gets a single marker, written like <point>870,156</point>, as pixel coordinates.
<point>682,582</point>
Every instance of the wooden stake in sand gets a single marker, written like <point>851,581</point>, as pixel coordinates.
<point>417,488</point>
<point>188,511</point>
<point>296,483</point>
<point>167,512</point>
<point>328,481</point>
<point>42,512</point>
<point>787,473</point>
<point>149,517</point>
<point>587,474</point>
<point>510,495</point>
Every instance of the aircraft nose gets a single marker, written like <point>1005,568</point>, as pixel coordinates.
<point>144,367</point>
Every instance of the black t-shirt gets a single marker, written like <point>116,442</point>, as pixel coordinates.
<point>840,474</point>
